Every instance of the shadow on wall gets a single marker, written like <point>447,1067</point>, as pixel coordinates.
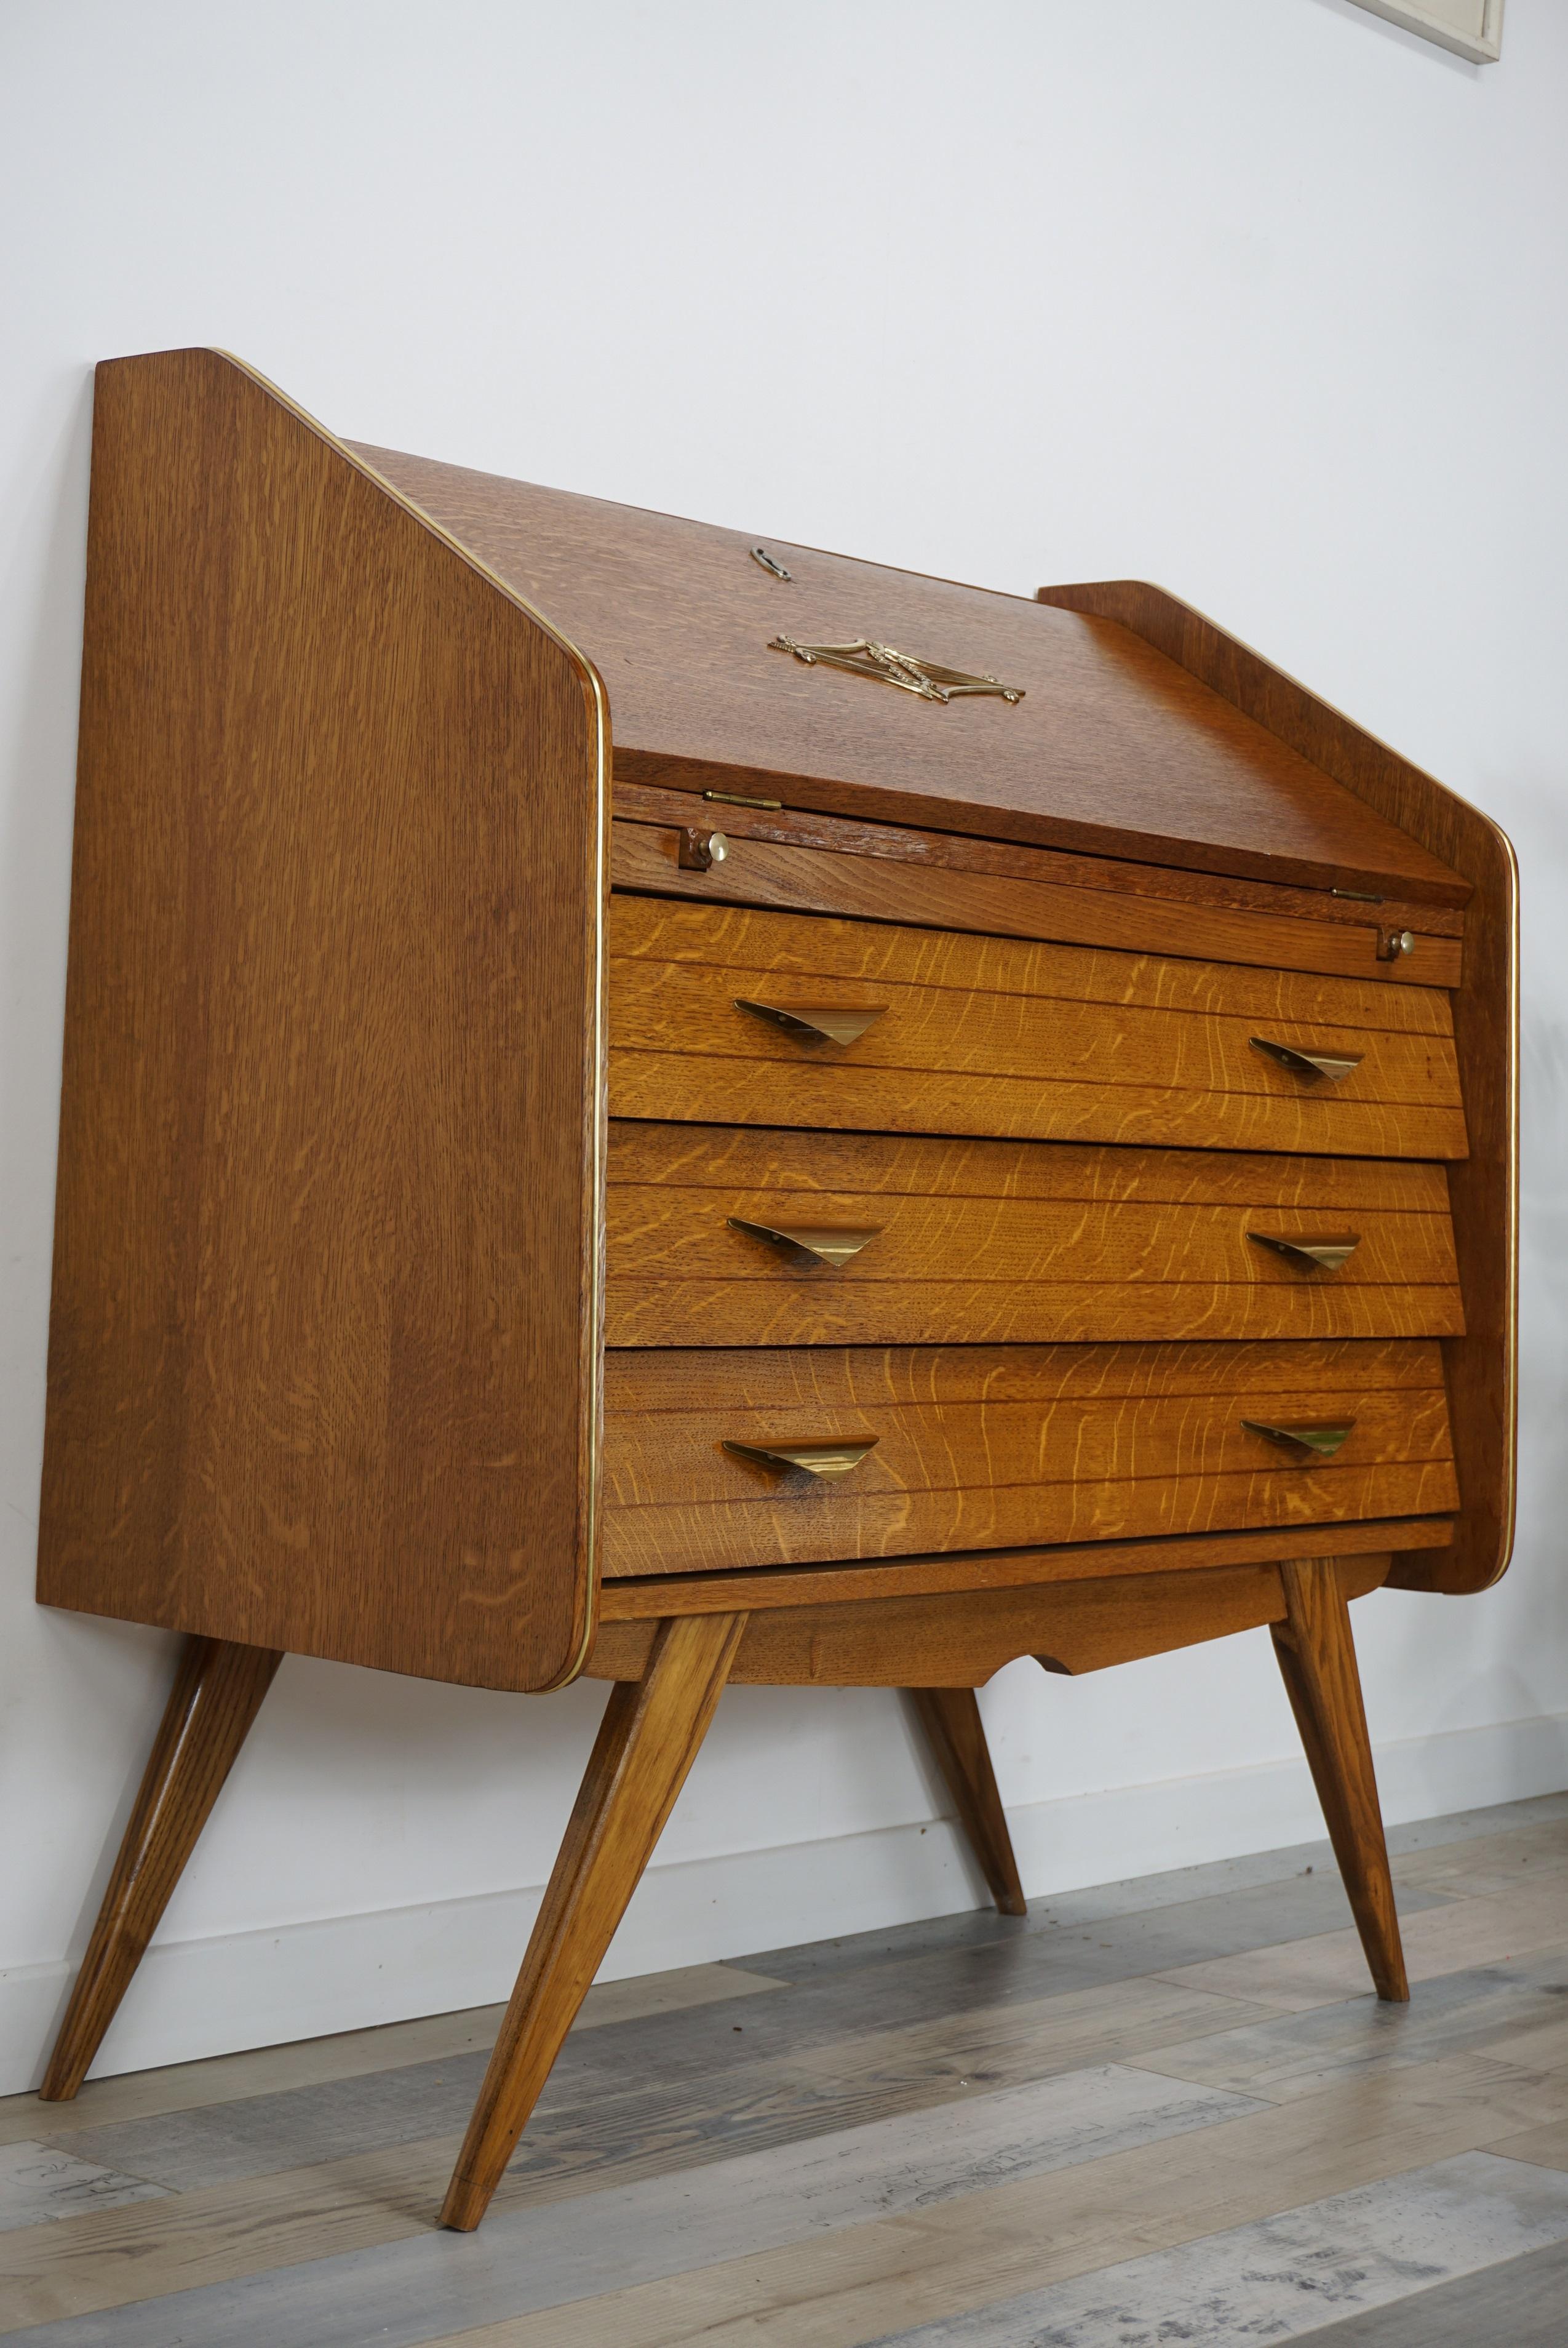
<point>34,868</point>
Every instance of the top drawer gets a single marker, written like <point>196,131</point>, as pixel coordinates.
<point>991,1036</point>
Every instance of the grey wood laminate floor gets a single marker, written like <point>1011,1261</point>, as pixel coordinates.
<point>1162,2111</point>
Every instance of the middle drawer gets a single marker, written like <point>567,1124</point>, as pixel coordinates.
<point>726,1236</point>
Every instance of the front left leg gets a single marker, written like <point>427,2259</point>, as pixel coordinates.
<point>217,1693</point>
<point>647,1741</point>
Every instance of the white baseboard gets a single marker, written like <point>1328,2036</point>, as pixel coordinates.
<point>200,1997</point>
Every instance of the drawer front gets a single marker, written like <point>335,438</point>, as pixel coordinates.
<point>976,1446</point>
<point>876,1240</point>
<point>822,864</point>
<point>991,1036</point>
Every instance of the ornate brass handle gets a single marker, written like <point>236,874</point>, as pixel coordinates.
<point>887,665</point>
<point>1313,1442</point>
<point>1307,1063</point>
<point>833,1244</point>
<point>816,1459</point>
<point>1311,1256</point>
<point>816,1022</point>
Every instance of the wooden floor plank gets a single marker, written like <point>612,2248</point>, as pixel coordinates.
<point>1494,1862</point>
<point>865,2283</point>
<point>285,2167</point>
<point>672,2112</point>
<point>1289,2054</point>
<point>1286,2278</point>
<point>353,2053</point>
<point>244,2226</point>
<point>703,2048</point>
<point>1546,2146</point>
<point>1410,1845</point>
<point>40,2185</point>
<point>860,2280</point>
<point>1493,1930</point>
<point>1517,2304</point>
<point>780,2197</point>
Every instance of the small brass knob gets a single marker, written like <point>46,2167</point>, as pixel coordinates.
<point>700,850</point>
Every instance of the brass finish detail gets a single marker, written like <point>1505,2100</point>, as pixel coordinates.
<point>1358,896</point>
<point>1311,1256</point>
<point>700,850</point>
<point>816,1459</point>
<point>1308,1063</point>
<point>735,799</point>
<point>833,1244</point>
<point>816,1022</point>
<point>760,554</point>
<point>1393,943</point>
<point>1313,1442</point>
<point>886,665</point>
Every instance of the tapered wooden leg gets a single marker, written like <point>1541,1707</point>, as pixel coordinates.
<point>648,1740</point>
<point>1317,1658</point>
<point>951,1720</point>
<point>217,1695</point>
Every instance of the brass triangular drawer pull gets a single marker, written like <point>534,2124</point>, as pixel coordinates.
<point>833,1244</point>
<point>1311,1256</point>
<point>1334,1065</point>
<point>1309,1442</point>
<point>816,1022</point>
<point>816,1459</point>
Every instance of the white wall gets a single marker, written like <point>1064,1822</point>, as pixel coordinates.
<point>1260,299</point>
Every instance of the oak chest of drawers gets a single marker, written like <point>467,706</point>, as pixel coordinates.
<point>981,1129</point>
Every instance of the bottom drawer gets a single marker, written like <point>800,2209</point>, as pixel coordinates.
<point>915,1449</point>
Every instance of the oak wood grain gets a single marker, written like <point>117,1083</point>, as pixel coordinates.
<point>1114,748</point>
<point>803,1167</point>
<point>875,954</point>
<point>339,834</point>
<point>758,872</point>
<point>923,1311</point>
<point>1483,1363</point>
<point>1316,1655</point>
<point>217,1693</point>
<point>961,1641</point>
<point>942,1445</point>
<point>979,1446</point>
<point>1028,1242</point>
<point>647,1741</point>
<point>1020,1041</point>
<point>951,851</point>
<point>654,1596</point>
<point>711,1088</point>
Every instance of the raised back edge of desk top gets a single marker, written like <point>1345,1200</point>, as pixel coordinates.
<point>1482,1365</point>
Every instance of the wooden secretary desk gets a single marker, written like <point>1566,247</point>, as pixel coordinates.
<point>986,1129</point>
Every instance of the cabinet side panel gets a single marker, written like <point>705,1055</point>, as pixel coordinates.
<point>1482,1365</point>
<point>324,1348</point>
